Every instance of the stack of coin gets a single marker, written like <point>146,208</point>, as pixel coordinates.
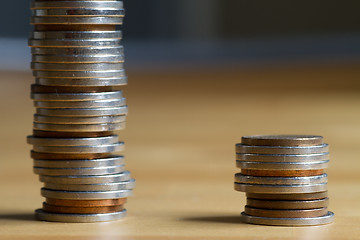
<point>284,179</point>
<point>77,62</point>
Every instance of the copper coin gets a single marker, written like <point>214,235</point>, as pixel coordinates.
<point>283,204</point>
<point>282,173</point>
<point>82,210</point>
<point>64,156</point>
<point>85,203</point>
<point>282,140</point>
<point>87,27</point>
<point>39,133</point>
<point>295,196</point>
<point>35,88</point>
<point>277,213</point>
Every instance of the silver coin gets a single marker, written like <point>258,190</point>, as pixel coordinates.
<point>240,148</point>
<point>280,189</point>
<point>283,165</point>
<point>76,66</point>
<point>77,4</point>
<point>78,120</point>
<point>125,185</point>
<point>82,82</point>
<point>119,74</point>
<point>61,12</point>
<point>115,147</point>
<point>247,157</point>
<point>102,42</point>
<point>79,35</point>
<point>77,59</point>
<point>77,20</point>
<point>79,218</point>
<point>48,193</point>
<point>76,96</point>
<point>81,104</point>
<point>42,141</point>
<point>82,112</point>
<point>102,162</point>
<point>79,171</point>
<point>328,218</point>
<point>240,178</point>
<point>124,176</point>
<point>80,127</point>
<point>81,51</point>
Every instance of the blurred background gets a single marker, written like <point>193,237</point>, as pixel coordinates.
<point>202,73</point>
<point>218,32</point>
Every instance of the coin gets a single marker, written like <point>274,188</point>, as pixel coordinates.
<point>280,213</point>
<point>81,104</point>
<point>64,156</point>
<point>283,165</point>
<point>77,20</point>
<point>250,157</point>
<point>124,176</point>
<point>81,51</point>
<point>85,195</point>
<point>82,210</point>
<point>78,218</point>
<point>39,133</point>
<point>115,73</point>
<point>80,127</point>
<point>240,178</point>
<point>77,66</point>
<point>241,148</point>
<point>79,120</point>
<point>119,146</point>
<point>292,204</point>
<point>76,96</point>
<point>85,203</point>
<point>72,141</point>
<point>82,35</point>
<point>35,88</point>
<point>60,12</point>
<point>326,219</point>
<point>280,189</point>
<point>100,162</point>
<point>79,171</point>
<point>292,196</point>
<point>282,140</point>
<point>82,112</point>
<point>74,27</point>
<point>77,4</point>
<point>105,42</point>
<point>281,173</point>
<point>88,82</point>
<point>77,59</point>
<point>115,186</point>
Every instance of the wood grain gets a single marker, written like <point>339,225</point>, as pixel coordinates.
<point>180,137</point>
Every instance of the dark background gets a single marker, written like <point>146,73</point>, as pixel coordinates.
<point>215,19</point>
<point>160,34</point>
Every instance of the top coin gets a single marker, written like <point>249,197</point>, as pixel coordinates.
<point>282,140</point>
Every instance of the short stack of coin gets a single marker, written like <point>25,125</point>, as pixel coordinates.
<point>77,62</point>
<point>284,179</point>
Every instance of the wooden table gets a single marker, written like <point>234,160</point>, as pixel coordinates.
<point>180,139</point>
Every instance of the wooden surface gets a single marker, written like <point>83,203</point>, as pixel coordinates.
<point>180,139</point>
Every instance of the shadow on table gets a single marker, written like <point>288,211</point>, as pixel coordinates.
<point>18,216</point>
<point>216,219</point>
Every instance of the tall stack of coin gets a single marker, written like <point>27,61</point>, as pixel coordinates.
<point>284,179</point>
<point>77,62</point>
